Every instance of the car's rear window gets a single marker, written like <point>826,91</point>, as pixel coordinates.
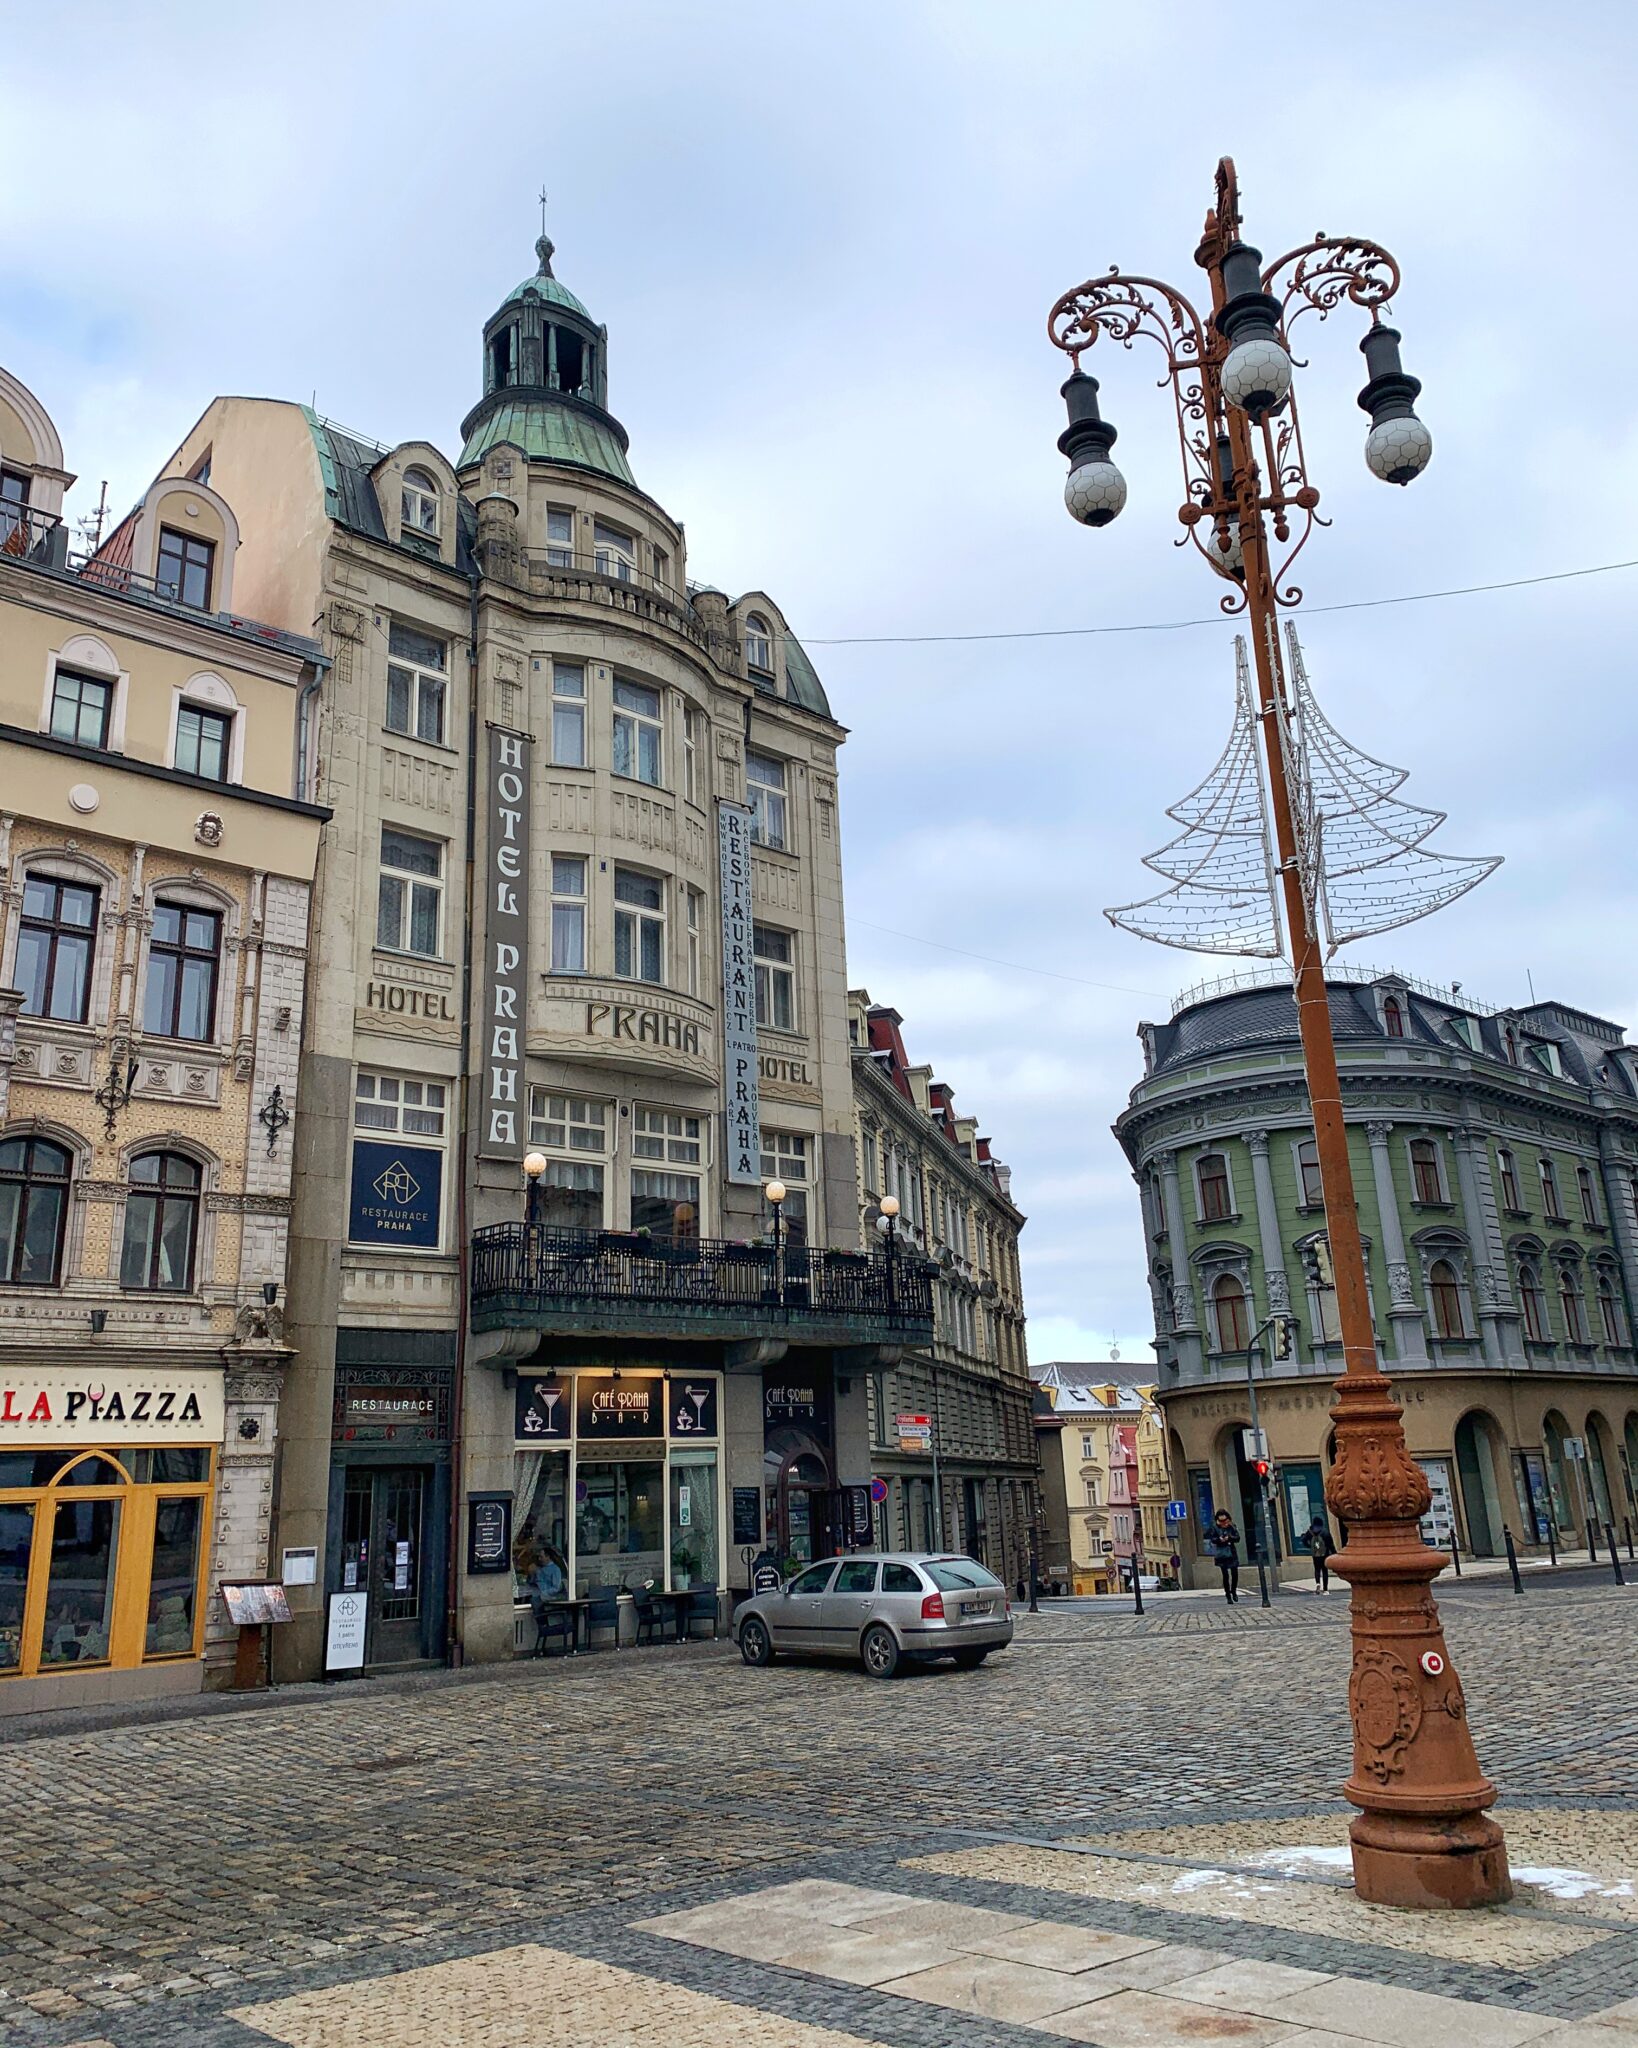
<point>899,1578</point>
<point>959,1575</point>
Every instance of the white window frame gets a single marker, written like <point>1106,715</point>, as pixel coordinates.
<point>421,682</point>
<point>759,647</point>
<point>635,919</point>
<point>574,1131</point>
<point>401,1105</point>
<point>774,978</point>
<point>568,908</point>
<point>786,1156</point>
<point>569,715</point>
<point>557,555</point>
<point>693,901</point>
<point>691,767</point>
<point>662,1137</point>
<point>766,791</point>
<point>418,504</point>
<point>614,551</point>
<point>639,726</point>
<point>410,882</point>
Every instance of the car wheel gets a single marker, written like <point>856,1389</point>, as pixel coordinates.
<point>880,1652</point>
<point>755,1644</point>
<point>969,1660</point>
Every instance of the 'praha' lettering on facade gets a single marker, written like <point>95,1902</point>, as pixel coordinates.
<point>642,1027</point>
<point>506,940</point>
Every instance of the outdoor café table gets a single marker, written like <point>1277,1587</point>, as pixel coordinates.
<point>680,1603</point>
<point>578,1611</point>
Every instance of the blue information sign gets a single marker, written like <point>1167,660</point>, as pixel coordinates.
<point>397,1195</point>
<point>1177,1511</point>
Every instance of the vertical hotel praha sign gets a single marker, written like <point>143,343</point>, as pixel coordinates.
<point>506,941</point>
<point>742,1119</point>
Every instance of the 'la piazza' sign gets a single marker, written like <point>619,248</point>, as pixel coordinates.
<point>109,1405</point>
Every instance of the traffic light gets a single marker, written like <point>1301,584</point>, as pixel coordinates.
<point>1260,1467</point>
<point>1316,1259</point>
<point>1285,1331</point>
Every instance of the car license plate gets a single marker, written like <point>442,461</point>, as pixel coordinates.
<point>976,1607</point>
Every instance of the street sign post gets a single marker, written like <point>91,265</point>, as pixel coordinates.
<point>1177,1511</point>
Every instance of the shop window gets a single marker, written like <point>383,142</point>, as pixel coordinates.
<point>179,1000</point>
<point>161,1224</point>
<point>619,1534</point>
<point>55,946</point>
<point>694,1518</point>
<point>34,1177</point>
<point>81,708</point>
<point>417,678</point>
<point>100,1557</point>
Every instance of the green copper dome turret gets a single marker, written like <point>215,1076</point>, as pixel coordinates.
<point>545,381</point>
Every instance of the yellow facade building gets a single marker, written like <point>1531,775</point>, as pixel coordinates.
<point>155,868</point>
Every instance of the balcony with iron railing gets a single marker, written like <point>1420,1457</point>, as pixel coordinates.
<point>606,576</point>
<point>619,1282</point>
<point>29,535</point>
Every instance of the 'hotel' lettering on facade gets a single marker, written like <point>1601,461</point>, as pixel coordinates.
<point>506,940</point>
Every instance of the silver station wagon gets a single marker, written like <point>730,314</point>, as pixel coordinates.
<point>882,1607</point>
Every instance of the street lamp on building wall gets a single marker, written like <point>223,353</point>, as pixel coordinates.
<point>1422,1836</point>
<point>534,1165</point>
<point>775,1191</point>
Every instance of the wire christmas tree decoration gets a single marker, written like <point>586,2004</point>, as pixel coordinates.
<point>1363,859</point>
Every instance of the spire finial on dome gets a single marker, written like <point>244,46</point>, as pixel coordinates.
<point>544,249</point>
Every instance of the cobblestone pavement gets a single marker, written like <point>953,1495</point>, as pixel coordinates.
<point>482,1858</point>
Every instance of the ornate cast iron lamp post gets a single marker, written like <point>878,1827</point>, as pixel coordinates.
<point>1422,1836</point>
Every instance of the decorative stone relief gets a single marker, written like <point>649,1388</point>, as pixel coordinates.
<point>1279,1291</point>
<point>1379,1133</point>
<point>1399,1288</point>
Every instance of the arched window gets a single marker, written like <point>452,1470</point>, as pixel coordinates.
<point>1534,1303</point>
<point>1427,1183</point>
<point>33,1210</point>
<point>1446,1292</point>
<point>758,645</point>
<point>1393,1017</point>
<point>1609,1308</point>
<point>1211,1176</point>
<point>161,1224</point>
<point>1511,1042</point>
<point>420,502</point>
<point>1313,1195</point>
<point>1571,1305</point>
<point>1228,1299</point>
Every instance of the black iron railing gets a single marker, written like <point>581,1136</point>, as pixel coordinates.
<point>31,535</point>
<point>516,1266</point>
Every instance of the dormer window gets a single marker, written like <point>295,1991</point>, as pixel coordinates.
<point>183,569</point>
<point>614,552</point>
<point>13,505</point>
<point>420,503</point>
<point>1393,1017</point>
<point>1461,1029</point>
<point>758,646</point>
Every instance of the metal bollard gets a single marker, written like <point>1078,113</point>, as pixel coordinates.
<point>1592,1541</point>
<point>1615,1555</point>
<point>1137,1589</point>
<point>1455,1548</point>
<point>1513,1561</point>
<point>1626,1523</point>
<point>1552,1539</point>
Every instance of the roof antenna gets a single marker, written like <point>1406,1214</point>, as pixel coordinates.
<point>1531,979</point>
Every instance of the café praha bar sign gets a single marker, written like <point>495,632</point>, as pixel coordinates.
<point>107,1405</point>
<point>608,1407</point>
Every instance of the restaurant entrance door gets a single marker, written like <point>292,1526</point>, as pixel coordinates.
<point>802,1508</point>
<point>384,1545</point>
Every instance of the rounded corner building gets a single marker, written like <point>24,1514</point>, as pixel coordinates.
<point>1495,1157</point>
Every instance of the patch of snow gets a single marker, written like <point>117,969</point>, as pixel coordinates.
<point>1562,1883</point>
<point>1298,1861</point>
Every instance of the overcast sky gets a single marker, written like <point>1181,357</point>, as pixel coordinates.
<point>825,238</point>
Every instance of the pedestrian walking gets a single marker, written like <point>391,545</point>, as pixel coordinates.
<point>1320,1548</point>
<point>1223,1541</point>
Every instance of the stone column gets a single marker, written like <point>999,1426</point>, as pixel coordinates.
<point>1508,1318</point>
<point>1410,1334</point>
<point>1276,1286</point>
<point>1483,1240</point>
<point>1187,1333</point>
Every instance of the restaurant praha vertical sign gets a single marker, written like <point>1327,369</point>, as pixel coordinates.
<point>506,941</point>
<point>742,1111</point>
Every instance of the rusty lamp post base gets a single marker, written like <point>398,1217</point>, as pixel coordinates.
<point>1422,1837</point>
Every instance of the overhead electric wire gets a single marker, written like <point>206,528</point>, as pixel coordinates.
<point>1358,604</point>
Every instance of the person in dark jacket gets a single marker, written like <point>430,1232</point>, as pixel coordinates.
<point>1321,1549</point>
<point>1223,1541</point>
